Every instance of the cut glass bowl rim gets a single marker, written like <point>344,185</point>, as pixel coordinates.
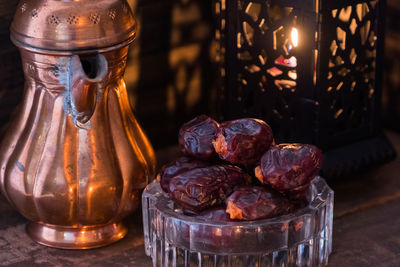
<point>318,201</point>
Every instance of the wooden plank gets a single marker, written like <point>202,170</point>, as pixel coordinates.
<point>368,238</point>
<point>17,249</point>
<point>371,186</point>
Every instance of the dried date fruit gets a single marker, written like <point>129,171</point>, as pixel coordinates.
<point>181,165</point>
<point>243,141</point>
<point>202,188</point>
<point>196,136</point>
<point>209,235</point>
<point>256,202</point>
<point>217,214</point>
<point>287,167</point>
<point>299,193</point>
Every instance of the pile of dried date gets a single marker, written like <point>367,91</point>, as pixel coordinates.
<point>235,171</point>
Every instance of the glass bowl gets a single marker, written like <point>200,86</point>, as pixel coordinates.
<point>302,238</point>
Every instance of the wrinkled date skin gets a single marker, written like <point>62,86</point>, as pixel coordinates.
<point>202,188</point>
<point>217,214</point>
<point>243,141</point>
<point>196,136</point>
<point>181,165</point>
<point>287,167</point>
<point>298,194</point>
<point>256,202</point>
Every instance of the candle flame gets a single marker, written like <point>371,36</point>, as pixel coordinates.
<point>295,37</point>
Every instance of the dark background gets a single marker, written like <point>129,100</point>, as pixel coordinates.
<point>171,72</point>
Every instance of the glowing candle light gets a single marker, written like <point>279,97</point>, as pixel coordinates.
<point>295,37</point>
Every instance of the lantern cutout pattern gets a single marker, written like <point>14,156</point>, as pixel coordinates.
<point>311,69</point>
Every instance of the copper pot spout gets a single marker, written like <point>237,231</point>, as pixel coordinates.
<point>81,76</point>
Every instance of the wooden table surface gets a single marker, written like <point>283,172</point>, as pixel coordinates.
<point>366,229</point>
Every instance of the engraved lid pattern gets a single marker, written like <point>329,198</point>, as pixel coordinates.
<point>70,25</point>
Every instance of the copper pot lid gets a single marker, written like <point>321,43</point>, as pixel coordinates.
<point>66,26</point>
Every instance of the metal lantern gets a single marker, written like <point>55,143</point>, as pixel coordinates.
<point>312,69</point>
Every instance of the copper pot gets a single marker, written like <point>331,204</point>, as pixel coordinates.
<point>74,159</point>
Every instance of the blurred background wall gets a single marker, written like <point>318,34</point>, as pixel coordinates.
<point>11,77</point>
<point>391,93</point>
<point>170,74</point>
<point>169,71</point>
